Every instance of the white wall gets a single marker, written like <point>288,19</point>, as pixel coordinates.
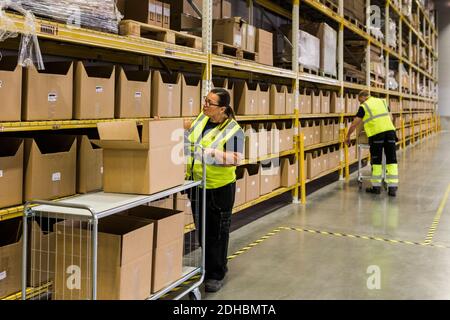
<point>443,7</point>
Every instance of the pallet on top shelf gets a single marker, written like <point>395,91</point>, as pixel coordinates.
<point>227,50</point>
<point>141,30</point>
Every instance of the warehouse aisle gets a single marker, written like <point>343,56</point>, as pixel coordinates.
<point>330,262</point>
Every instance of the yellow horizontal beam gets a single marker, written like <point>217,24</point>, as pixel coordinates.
<point>321,145</point>
<point>265,117</point>
<point>61,32</point>
<point>320,115</point>
<point>304,76</point>
<point>323,174</point>
<point>267,157</point>
<point>263,198</point>
<point>30,292</point>
<point>269,5</point>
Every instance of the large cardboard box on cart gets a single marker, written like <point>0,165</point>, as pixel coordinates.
<point>138,161</point>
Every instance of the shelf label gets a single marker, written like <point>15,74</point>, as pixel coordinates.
<point>52,97</point>
<point>101,170</point>
<point>99,89</point>
<point>56,176</point>
<point>138,95</point>
<point>169,51</point>
<point>3,275</point>
<point>49,29</point>
<point>1,84</point>
<point>1,173</point>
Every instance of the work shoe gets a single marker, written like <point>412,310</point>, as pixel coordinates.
<point>375,190</point>
<point>392,191</point>
<point>212,285</point>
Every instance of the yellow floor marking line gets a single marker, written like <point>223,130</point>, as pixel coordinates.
<point>437,218</point>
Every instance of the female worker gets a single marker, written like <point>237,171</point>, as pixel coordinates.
<point>217,131</point>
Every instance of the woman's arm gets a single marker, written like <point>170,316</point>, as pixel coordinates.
<point>187,124</point>
<point>225,158</point>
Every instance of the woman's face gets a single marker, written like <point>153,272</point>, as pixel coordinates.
<point>211,107</point>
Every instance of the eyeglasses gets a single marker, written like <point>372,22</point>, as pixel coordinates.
<point>208,102</point>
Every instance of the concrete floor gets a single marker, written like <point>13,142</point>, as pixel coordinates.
<point>309,265</point>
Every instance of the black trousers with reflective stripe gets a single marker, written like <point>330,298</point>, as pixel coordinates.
<point>385,140</point>
<point>219,207</point>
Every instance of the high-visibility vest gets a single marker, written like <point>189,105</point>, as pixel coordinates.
<point>376,118</point>
<point>216,175</point>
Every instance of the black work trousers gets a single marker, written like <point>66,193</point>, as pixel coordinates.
<point>219,206</point>
<point>385,140</point>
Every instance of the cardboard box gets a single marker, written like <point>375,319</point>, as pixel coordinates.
<point>190,96</point>
<point>290,102</point>
<point>89,166</point>
<point>309,50</point>
<point>252,182</point>
<point>10,89</point>
<point>264,47</point>
<point>137,161</point>
<point>159,13</point>
<point>317,136</point>
<point>314,167</point>
<point>307,128</point>
<point>251,143</point>
<point>240,187</point>
<point>289,171</point>
<point>166,95</point>
<point>132,93</point>
<point>286,136</point>
<point>94,91</point>
<point>348,103</point>
<point>50,167</point>
<point>184,204</point>
<point>336,129</point>
<point>227,85</point>
<point>183,6</point>
<point>305,102</point>
<point>264,148</point>
<point>11,257</point>
<point>124,265</point>
<point>141,10</point>
<point>276,174</point>
<point>185,22</point>
<point>221,9</point>
<point>265,179</point>
<point>336,103</point>
<point>48,94</point>
<point>229,31</point>
<point>275,138</point>
<point>325,131</point>
<point>11,172</point>
<point>324,102</point>
<point>263,99</point>
<point>246,98</point>
<point>41,255</point>
<point>315,108</point>
<point>166,16</point>
<point>328,48</point>
<point>277,99</point>
<point>167,243</point>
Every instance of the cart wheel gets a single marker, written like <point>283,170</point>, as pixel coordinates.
<point>195,294</point>
<point>360,185</point>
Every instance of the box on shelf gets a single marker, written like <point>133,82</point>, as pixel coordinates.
<point>286,136</point>
<point>227,85</point>
<point>277,99</point>
<point>11,257</point>
<point>229,31</point>
<point>185,22</point>
<point>166,16</point>
<point>290,101</point>
<point>336,103</point>
<point>309,50</point>
<point>248,37</point>
<point>48,94</point>
<point>140,10</point>
<point>89,166</point>
<point>251,143</point>
<point>166,95</point>
<point>316,137</point>
<point>50,167</point>
<point>315,102</point>
<point>314,168</point>
<point>136,161</point>
<point>132,93</point>
<point>289,170</point>
<point>167,243</point>
<point>221,9</point>
<point>274,134</point>
<point>182,6</point>
<point>326,131</point>
<point>125,248</point>
<point>305,102</point>
<point>252,182</point>
<point>246,98</point>
<point>190,96</point>
<point>240,186</point>
<point>276,173</point>
<point>265,179</point>
<point>11,172</point>
<point>264,47</point>
<point>263,103</point>
<point>183,203</point>
<point>94,91</point>
<point>10,89</point>
<point>324,102</point>
<point>264,141</point>
<point>336,129</point>
<point>307,128</point>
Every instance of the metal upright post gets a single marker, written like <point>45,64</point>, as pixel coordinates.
<point>386,67</point>
<point>207,46</point>
<point>295,89</point>
<point>368,23</point>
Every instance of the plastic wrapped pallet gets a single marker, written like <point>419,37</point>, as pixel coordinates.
<point>100,15</point>
<point>392,34</point>
<point>309,50</point>
<point>392,83</point>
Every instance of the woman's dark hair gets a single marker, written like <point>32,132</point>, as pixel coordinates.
<point>224,101</point>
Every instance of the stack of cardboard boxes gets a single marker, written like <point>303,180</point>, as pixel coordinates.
<point>321,102</point>
<point>152,12</point>
<point>322,160</point>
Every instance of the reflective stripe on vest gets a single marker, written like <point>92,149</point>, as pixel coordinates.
<point>216,175</point>
<point>376,118</point>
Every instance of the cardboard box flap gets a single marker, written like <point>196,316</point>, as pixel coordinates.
<point>135,75</point>
<point>119,131</point>
<point>55,67</point>
<point>191,81</point>
<point>50,144</point>
<point>10,147</point>
<point>10,232</point>
<point>97,70</point>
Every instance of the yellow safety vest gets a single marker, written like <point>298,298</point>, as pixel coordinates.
<point>216,175</point>
<point>376,118</point>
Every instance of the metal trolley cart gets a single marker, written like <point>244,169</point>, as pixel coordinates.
<point>80,217</point>
<point>361,177</point>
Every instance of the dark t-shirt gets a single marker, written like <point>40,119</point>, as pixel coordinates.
<point>361,113</point>
<point>234,144</point>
